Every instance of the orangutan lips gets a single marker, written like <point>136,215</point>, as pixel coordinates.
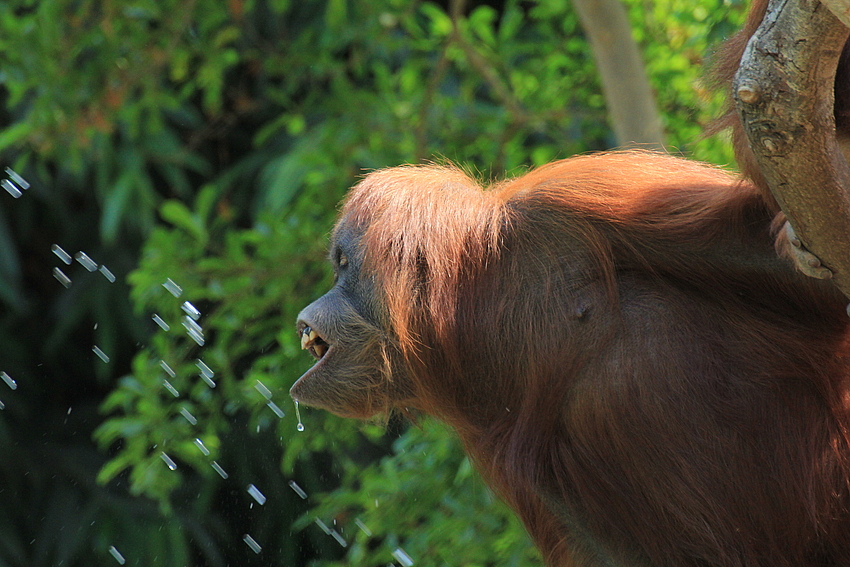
<point>310,340</point>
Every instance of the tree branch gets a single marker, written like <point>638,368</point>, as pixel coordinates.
<point>840,9</point>
<point>784,96</point>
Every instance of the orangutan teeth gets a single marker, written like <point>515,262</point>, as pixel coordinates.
<point>310,340</point>
<point>308,335</point>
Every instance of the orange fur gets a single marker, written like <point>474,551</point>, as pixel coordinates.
<point>623,354</point>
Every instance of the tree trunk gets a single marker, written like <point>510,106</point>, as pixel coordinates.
<point>631,102</point>
<point>784,94</point>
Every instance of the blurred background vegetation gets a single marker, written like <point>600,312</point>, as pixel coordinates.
<point>207,142</point>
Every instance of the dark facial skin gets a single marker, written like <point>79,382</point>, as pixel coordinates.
<point>358,372</point>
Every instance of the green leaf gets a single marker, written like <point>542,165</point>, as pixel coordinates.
<point>441,23</point>
<point>180,216</point>
<point>481,22</point>
<point>115,205</point>
<point>114,467</point>
<point>336,14</point>
<point>15,134</point>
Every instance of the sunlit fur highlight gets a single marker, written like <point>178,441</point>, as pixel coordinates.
<point>418,216</point>
<point>596,312</point>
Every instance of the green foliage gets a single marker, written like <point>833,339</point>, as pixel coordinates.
<point>390,501</point>
<point>677,38</point>
<point>242,282</point>
<point>248,290</point>
<point>223,135</point>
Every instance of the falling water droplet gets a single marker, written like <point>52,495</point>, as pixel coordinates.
<point>167,368</point>
<point>196,336</point>
<point>255,547</point>
<point>162,324</point>
<point>100,354</point>
<point>300,426</point>
<point>110,277</point>
<point>61,254</point>
<point>194,330</point>
<point>265,392</point>
<point>256,494</point>
<point>363,527</point>
<point>298,490</point>
<point>402,557</point>
<point>274,407</point>
<point>172,287</point>
<point>204,369</point>
<point>85,261</point>
<point>190,310</point>
<point>60,275</point>
<point>170,388</point>
<point>17,178</point>
<point>219,470</point>
<point>9,381</point>
<point>189,417</point>
<point>323,526</point>
<point>168,461</point>
<point>117,555</point>
<point>338,538</point>
<point>202,447</point>
<point>206,372</point>
<point>11,188</point>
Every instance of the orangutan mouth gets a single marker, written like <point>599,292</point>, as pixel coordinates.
<point>310,340</point>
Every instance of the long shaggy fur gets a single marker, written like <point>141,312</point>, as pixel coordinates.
<point>623,354</point>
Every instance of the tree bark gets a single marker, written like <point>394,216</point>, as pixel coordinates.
<point>840,9</point>
<point>784,95</point>
<point>631,104</point>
